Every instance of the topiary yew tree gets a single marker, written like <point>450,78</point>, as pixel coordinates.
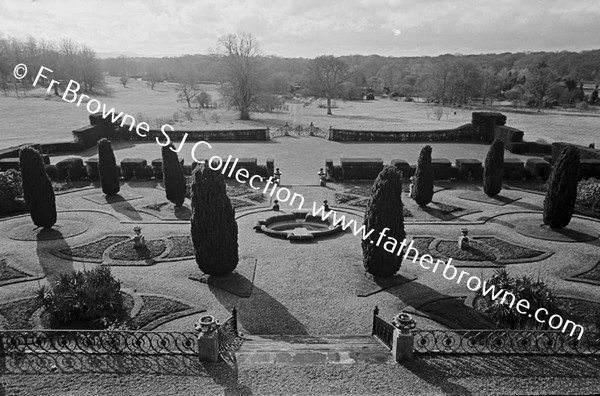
<point>214,229</point>
<point>37,188</point>
<point>107,167</point>
<point>423,184</point>
<point>173,176</point>
<point>384,209</point>
<point>493,173</point>
<point>561,195</point>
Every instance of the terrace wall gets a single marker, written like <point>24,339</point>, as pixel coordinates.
<point>255,134</point>
<point>464,133</point>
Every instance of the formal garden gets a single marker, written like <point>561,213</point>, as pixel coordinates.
<point>141,248</point>
<point>79,223</point>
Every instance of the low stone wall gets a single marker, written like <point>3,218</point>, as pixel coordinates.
<point>464,133</point>
<point>508,135</point>
<point>258,134</point>
<point>89,135</point>
<point>529,148</point>
<point>584,152</point>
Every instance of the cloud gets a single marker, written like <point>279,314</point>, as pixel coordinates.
<point>310,28</point>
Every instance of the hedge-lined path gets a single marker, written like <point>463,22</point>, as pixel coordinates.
<point>307,288</point>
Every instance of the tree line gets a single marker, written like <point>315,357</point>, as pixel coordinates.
<point>251,81</point>
<point>536,79</point>
<point>66,58</point>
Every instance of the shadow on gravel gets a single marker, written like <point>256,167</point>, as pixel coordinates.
<point>225,373</point>
<point>52,265</point>
<point>126,209</point>
<point>450,311</point>
<point>261,313</point>
<point>443,371</point>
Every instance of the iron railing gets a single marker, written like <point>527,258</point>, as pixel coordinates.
<point>97,342</point>
<point>299,131</point>
<point>108,342</point>
<point>526,342</point>
<point>382,330</point>
<point>497,341</point>
<point>229,337</point>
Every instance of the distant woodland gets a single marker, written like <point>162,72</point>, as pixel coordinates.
<point>536,79</point>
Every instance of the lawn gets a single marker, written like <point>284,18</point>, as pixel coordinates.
<point>43,118</point>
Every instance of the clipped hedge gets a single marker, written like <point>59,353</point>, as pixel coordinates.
<point>174,177</point>
<point>107,167</point>
<point>384,209</point>
<point>71,168</point>
<point>423,185</point>
<point>559,203</point>
<point>37,188</point>
<point>493,172</point>
<point>214,229</point>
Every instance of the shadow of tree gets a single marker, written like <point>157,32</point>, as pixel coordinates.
<point>447,310</point>
<point>183,213</point>
<point>261,313</point>
<point>225,373</point>
<point>120,205</point>
<point>52,265</point>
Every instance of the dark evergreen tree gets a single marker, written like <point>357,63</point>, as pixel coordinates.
<point>173,176</point>
<point>37,188</point>
<point>423,184</point>
<point>561,194</point>
<point>384,209</point>
<point>214,229</point>
<point>107,167</point>
<point>493,172</point>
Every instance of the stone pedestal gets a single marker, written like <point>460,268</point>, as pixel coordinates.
<point>402,347</point>
<point>208,346</point>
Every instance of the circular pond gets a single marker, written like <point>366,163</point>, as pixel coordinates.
<point>300,226</point>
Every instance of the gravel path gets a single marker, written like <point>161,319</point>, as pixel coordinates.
<point>434,375</point>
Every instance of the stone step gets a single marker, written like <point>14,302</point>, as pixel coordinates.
<point>312,350</point>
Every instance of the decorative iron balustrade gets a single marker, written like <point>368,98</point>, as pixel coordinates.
<point>97,342</point>
<point>498,341</point>
<point>109,342</point>
<point>505,342</point>
<point>299,131</point>
<point>382,330</point>
<point>229,337</point>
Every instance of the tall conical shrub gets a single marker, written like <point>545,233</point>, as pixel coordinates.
<point>173,176</point>
<point>423,185</point>
<point>384,209</point>
<point>107,166</point>
<point>493,173</point>
<point>37,188</point>
<point>214,229</point>
<point>561,194</point>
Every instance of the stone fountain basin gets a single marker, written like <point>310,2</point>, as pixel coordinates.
<point>299,226</point>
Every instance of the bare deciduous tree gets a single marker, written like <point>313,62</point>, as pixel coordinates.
<point>325,75</point>
<point>187,91</point>
<point>240,56</point>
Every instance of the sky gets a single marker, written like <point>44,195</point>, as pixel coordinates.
<point>309,28</point>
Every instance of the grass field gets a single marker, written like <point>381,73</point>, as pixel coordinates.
<point>41,118</point>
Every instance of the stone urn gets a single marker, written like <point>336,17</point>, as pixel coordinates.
<point>207,324</point>
<point>463,240</point>
<point>404,322</point>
